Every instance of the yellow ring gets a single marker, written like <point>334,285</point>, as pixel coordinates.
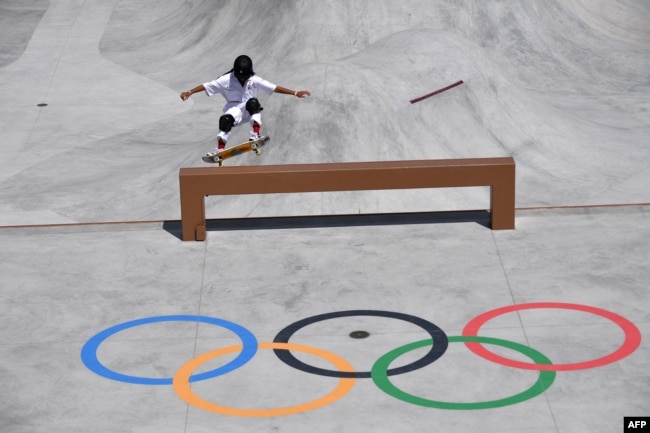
<point>183,388</point>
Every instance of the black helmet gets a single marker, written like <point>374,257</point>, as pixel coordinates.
<point>243,67</point>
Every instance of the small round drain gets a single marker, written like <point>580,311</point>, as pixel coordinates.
<point>359,334</point>
<point>42,104</point>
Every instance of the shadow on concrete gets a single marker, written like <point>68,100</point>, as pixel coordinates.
<point>481,217</point>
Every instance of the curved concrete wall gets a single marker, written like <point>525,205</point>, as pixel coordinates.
<point>562,86</point>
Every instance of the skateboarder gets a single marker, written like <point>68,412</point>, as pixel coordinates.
<point>240,87</point>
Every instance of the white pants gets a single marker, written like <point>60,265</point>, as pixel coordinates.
<point>241,115</point>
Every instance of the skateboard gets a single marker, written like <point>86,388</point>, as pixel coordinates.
<point>229,152</point>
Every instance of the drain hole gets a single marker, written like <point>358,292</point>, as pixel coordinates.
<point>359,334</point>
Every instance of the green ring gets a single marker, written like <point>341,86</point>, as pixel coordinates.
<point>380,376</point>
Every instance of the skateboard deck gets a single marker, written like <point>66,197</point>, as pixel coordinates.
<point>229,152</point>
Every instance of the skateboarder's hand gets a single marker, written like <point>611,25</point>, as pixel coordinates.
<point>303,93</point>
<point>185,95</point>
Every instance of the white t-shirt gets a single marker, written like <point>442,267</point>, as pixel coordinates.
<point>234,93</point>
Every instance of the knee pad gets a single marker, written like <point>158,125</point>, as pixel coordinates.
<point>253,106</point>
<point>226,122</point>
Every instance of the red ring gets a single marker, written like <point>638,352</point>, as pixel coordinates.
<point>632,337</point>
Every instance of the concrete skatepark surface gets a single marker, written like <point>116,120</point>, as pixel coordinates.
<point>550,85</point>
<point>94,133</point>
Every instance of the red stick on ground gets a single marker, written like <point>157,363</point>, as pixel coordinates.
<point>458,83</point>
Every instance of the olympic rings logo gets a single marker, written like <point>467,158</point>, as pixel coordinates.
<point>381,370</point>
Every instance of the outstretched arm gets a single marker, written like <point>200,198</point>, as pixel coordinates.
<point>186,95</point>
<point>298,93</point>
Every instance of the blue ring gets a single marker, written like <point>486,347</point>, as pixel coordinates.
<point>90,360</point>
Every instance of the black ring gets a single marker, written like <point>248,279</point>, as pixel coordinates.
<point>438,348</point>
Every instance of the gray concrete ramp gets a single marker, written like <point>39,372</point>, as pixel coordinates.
<point>374,311</point>
<point>547,84</point>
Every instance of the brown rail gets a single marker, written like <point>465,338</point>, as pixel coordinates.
<point>197,183</point>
